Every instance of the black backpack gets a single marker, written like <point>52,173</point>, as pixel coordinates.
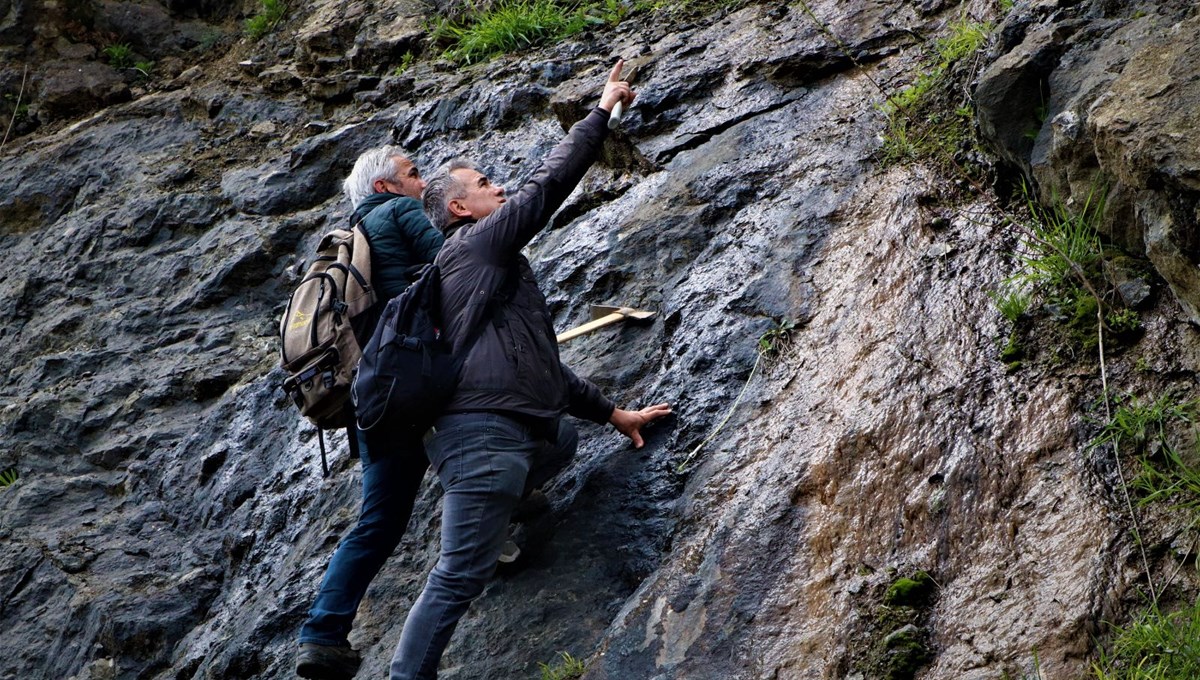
<point>407,373</point>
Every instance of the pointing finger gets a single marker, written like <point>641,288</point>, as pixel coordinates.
<point>616,72</point>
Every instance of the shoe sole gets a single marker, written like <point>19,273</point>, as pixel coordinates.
<point>318,672</point>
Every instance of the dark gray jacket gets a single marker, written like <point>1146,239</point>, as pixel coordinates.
<point>514,366</point>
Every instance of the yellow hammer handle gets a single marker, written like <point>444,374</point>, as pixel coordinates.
<point>589,327</point>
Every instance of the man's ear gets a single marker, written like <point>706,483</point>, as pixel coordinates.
<point>379,186</point>
<point>458,208</point>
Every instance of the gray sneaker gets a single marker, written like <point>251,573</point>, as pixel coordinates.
<point>326,662</point>
<point>511,551</point>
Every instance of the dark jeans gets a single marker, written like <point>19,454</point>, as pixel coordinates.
<point>392,470</point>
<point>485,463</point>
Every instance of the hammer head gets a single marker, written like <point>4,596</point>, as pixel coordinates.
<point>630,314</point>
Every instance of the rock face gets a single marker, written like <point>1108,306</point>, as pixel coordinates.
<point>171,520</point>
<point>1109,103</point>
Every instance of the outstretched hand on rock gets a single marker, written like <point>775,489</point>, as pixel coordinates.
<point>630,423</point>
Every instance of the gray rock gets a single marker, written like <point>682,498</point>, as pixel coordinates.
<point>72,88</point>
<point>144,24</point>
<point>171,520</point>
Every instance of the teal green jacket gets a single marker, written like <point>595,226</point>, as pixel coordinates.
<point>402,241</point>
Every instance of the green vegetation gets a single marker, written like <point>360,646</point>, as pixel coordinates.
<point>119,55</point>
<point>1161,434</point>
<point>928,120</point>
<point>479,33</point>
<point>1061,270</point>
<point>144,67</point>
<point>1013,351</point>
<point>507,27</point>
<point>964,40</point>
<point>568,668</point>
<point>1156,646</point>
<point>689,7</point>
<point>1135,423</point>
<point>1061,244</point>
<point>209,39</point>
<point>1167,470</point>
<point>405,62</point>
<point>910,592</point>
<point>8,478</point>
<point>268,17</point>
<point>775,341</point>
<point>512,25</point>
<point>1012,299</point>
<point>17,110</point>
<point>897,636</point>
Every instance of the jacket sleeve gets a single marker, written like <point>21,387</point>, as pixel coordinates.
<point>521,217</point>
<point>584,400</point>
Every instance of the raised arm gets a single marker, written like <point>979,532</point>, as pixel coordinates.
<point>527,212</point>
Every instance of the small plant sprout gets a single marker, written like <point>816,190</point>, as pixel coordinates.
<point>8,478</point>
<point>568,668</point>
<point>119,55</point>
<point>405,62</point>
<point>1124,321</point>
<point>1012,299</point>
<point>775,341</point>
<point>145,68</point>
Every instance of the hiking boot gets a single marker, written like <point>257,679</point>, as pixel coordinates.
<point>511,551</point>
<point>326,662</point>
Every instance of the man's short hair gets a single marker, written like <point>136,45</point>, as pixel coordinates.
<point>442,188</point>
<point>371,165</point>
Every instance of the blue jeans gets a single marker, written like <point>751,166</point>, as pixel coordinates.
<point>391,478</point>
<point>485,463</point>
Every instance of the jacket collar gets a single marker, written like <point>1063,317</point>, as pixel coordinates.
<point>373,201</point>
<point>453,227</point>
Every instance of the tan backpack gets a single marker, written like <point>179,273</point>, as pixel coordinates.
<point>318,344</point>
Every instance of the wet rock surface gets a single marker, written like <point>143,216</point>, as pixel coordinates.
<point>171,520</point>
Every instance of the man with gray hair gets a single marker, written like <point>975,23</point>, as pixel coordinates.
<point>383,188</point>
<point>503,432</point>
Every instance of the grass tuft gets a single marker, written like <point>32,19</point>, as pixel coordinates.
<point>1168,471</point>
<point>966,37</point>
<point>8,478</point>
<point>1063,240</point>
<point>777,340</point>
<point>1012,299</point>
<point>405,62</point>
<point>512,25</point>
<point>568,668</point>
<point>1156,646</point>
<point>507,27</point>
